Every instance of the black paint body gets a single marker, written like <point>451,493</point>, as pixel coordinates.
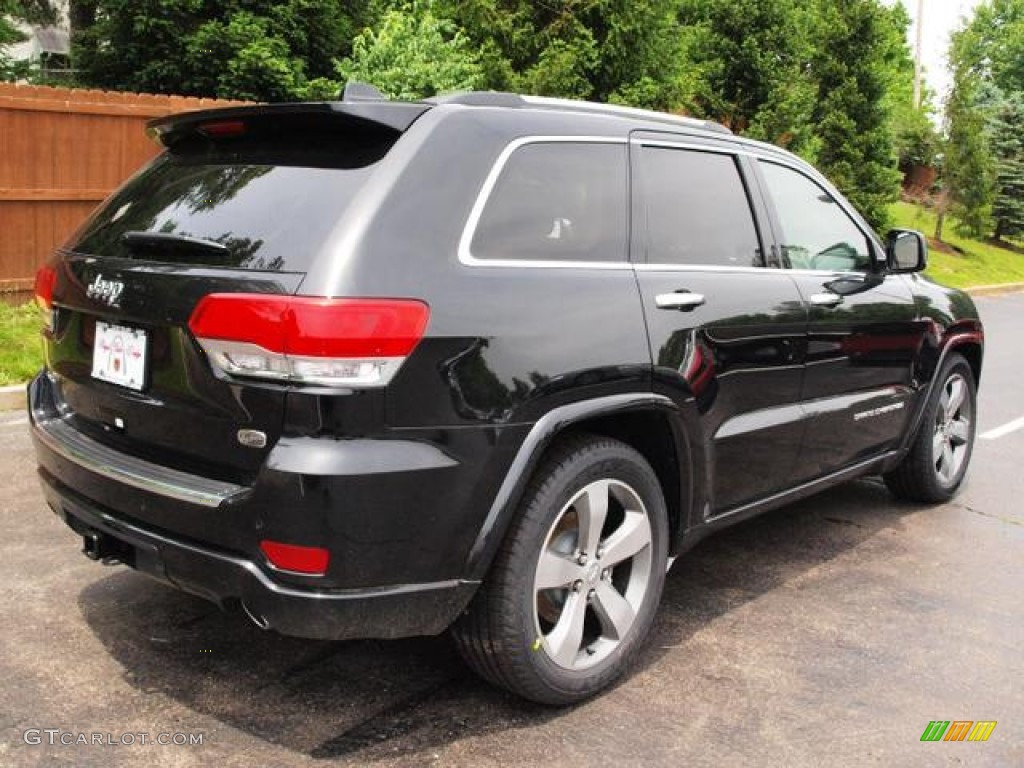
<point>741,404</point>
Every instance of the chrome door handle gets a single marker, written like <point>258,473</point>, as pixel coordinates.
<point>681,300</point>
<point>826,299</point>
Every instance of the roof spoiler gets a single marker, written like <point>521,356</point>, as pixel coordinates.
<point>359,113</point>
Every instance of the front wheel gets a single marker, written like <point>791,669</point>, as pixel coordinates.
<point>935,466</point>
<point>574,590</point>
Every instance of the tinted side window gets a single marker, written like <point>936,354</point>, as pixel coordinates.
<point>816,232</point>
<point>697,209</point>
<point>557,201</point>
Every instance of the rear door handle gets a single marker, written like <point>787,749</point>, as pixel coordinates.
<point>681,300</point>
<point>826,299</point>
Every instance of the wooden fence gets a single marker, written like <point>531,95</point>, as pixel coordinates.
<point>62,151</point>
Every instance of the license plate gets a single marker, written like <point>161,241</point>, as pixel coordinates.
<point>119,355</point>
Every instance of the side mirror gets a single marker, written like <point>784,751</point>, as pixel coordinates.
<point>906,251</point>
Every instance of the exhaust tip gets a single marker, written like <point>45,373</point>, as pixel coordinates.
<point>256,619</point>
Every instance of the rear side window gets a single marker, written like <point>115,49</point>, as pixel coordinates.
<point>260,204</point>
<point>557,201</point>
<point>696,207</point>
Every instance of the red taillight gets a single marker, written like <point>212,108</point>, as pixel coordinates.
<point>291,557</point>
<point>46,277</point>
<point>344,342</point>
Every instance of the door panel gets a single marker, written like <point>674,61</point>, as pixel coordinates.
<point>726,333</point>
<point>738,356</point>
<point>858,385</point>
<point>862,328</point>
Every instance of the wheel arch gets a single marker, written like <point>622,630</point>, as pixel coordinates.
<point>967,341</point>
<point>647,422</point>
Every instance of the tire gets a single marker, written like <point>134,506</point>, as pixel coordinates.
<point>553,622</point>
<point>934,468</point>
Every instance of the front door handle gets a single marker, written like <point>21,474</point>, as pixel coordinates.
<point>826,299</point>
<point>684,301</point>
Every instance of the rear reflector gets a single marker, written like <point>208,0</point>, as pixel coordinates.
<point>291,557</point>
<point>335,342</point>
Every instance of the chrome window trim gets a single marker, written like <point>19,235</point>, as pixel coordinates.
<point>643,267</point>
<point>686,144</point>
<point>469,230</point>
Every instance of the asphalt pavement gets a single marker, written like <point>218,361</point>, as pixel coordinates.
<point>828,633</point>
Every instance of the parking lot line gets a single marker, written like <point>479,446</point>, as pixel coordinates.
<point>1004,430</point>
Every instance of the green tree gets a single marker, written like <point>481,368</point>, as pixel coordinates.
<point>258,49</point>
<point>413,53</point>
<point>1008,151</point>
<point>915,139</point>
<point>12,12</point>
<point>852,67</point>
<point>626,51</point>
<point>969,166</point>
<point>968,162</point>
<point>9,32</point>
<point>752,64</point>
<point>982,159</point>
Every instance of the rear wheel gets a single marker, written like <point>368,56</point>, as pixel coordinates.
<point>941,451</point>
<point>573,591</point>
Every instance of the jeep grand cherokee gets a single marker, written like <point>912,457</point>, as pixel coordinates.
<point>488,362</point>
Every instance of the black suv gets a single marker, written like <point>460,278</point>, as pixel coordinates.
<point>487,362</point>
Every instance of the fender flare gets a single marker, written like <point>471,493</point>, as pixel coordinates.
<point>539,438</point>
<point>950,342</point>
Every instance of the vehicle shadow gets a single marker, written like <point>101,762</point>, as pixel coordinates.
<point>371,700</point>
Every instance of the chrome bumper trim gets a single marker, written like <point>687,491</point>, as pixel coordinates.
<point>68,442</point>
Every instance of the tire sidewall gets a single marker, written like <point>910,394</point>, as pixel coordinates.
<point>604,461</point>
<point>954,364</point>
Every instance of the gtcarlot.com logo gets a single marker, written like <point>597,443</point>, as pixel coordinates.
<point>58,737</point>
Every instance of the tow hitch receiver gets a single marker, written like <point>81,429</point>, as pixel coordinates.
<point>106,549</point>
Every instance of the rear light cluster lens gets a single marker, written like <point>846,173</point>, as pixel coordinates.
<point>309,340</point>
<point>46,278</point>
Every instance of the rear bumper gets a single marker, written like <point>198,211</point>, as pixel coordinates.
<point>383,612</point>
<point>412,609</point>
<point>104,494</point>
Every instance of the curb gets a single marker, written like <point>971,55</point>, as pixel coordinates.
<point>995,290</point>
<point>12,398</point>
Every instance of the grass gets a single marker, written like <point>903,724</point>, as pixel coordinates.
<point>960,261</point>
<point>21,348</point>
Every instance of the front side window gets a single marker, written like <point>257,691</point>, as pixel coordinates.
<point>696,209</point>
<point>557,201</point>
<point>816,232</point>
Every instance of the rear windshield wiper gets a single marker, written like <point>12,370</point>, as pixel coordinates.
<point>172,241</point>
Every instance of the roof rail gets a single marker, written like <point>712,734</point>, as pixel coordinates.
<point>617,109</point>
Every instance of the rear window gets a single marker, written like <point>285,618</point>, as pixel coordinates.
<point>557,201</point>
<point>244,204</point>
